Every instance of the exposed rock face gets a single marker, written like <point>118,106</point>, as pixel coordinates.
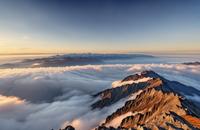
<point>161,105</point>
<point>110,96</point>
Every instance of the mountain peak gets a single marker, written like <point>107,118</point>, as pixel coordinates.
<point>159,104</point>
<point>147,73</point>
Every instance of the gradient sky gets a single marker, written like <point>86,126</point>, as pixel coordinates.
<point>62,26</point>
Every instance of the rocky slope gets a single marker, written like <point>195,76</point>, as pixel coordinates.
<point>160,104</point>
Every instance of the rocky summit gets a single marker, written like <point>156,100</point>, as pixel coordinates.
<point>160,104</point>
<point>151,103</point>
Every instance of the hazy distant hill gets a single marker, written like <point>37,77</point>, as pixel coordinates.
<point>192,63</point>
<point>72,59</point>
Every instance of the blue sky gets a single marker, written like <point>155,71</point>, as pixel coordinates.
<point>65,26</point>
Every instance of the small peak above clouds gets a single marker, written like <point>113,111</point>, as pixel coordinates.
<point>144,76</point>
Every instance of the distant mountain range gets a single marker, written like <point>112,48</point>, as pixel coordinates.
<point>192,63</point>
<point>152,103</point>
<point>72,59</point>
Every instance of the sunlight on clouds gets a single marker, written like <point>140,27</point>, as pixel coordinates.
<point>5,72</point>
<point>4,100</point>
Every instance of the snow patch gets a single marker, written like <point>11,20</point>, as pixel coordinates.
<point>119,83</point>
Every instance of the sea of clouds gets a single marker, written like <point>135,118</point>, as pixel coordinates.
<point>46,98</point>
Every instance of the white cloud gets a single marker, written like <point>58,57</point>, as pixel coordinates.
<point>63,94</point>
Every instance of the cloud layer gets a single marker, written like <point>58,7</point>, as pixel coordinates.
<point>45,98</point>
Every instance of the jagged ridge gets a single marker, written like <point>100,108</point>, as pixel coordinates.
<point>161,105</point>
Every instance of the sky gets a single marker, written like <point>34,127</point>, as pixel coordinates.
<point>100,26</point>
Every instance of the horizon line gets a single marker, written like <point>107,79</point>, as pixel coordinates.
<point>128,52</point>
